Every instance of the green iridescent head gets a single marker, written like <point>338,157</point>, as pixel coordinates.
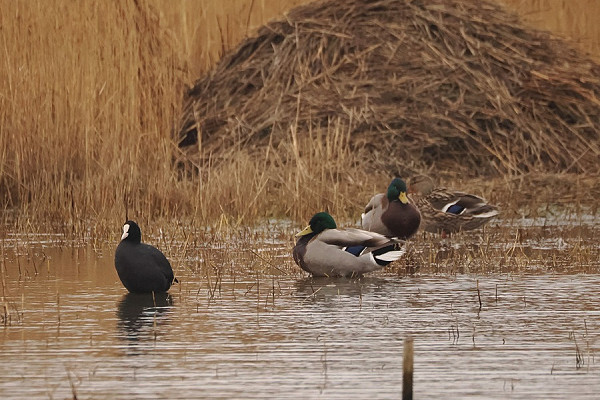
<point>397,191</point>
<point>318,223</point>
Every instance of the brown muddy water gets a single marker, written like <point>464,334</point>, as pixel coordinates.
<point>245,322</point>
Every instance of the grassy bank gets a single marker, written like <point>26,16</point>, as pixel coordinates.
<point>90,95</point>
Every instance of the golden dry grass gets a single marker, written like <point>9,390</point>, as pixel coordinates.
<point>460,86</point>
<point>207,28</point>
<point>577,20</point>
<point>90,93</point>
<point>89,98</point>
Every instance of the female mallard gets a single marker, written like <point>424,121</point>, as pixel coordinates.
<point>447,211</point>
<point>392,214</point>
<point>324,250</point>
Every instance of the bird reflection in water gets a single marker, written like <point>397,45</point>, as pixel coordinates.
<point>141,315</point>
<point>327,289</point>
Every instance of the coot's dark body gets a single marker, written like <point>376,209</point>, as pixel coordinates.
<point>142,268</point>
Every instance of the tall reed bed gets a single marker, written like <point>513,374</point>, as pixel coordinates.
<point>293,179</point>
<point>206,29</point>
<point>90,94</point>
<point>574,19</point>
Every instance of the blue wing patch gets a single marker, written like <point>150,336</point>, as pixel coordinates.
<point>455,209</point>
<point>355,250</point>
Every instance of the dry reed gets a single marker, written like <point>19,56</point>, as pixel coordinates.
<point>206,30</point>
<point>88,101</point>
<point>459,85</point>
<point>574,19</point>
<point>89,98</point>
<point>90,93</point>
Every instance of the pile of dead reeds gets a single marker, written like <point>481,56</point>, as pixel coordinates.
<point>460,85</point>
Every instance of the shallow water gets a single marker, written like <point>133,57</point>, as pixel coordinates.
<point>70,328</point>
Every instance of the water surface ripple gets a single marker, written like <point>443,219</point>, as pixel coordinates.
<point>73,329</point>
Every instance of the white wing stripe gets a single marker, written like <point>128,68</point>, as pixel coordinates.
<point>391,255</point>
<point>488,214</point>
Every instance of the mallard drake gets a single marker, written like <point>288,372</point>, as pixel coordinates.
<point>392,214</point>
<point>142,268</point>
<point>324,250</point>
<point>447,211</point>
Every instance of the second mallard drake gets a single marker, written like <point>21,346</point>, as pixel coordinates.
<point>324,250</point>
<point>447,211</point>
<point>392,214</point>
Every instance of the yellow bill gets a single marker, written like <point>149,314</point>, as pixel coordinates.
<point>305,231</point>
<point>403,197</point>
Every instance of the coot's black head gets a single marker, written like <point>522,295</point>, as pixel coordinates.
<point>397,191</point>
<point>131,232</point>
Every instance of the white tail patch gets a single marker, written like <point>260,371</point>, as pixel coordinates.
<point>125,231</point>
<point>362,218</point>
<point>391,255</point>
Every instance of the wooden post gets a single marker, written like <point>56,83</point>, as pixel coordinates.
<point>407,369</point>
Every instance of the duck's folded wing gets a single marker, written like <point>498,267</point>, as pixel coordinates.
<point>374,202</point>
<point>476,206</point>
<point>441,198</point>
<point>162,262</point>
<point>352,237</point>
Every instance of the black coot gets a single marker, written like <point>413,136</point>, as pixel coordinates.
<point>142,268</point>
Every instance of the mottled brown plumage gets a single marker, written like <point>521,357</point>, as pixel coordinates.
<point>448,211</point>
